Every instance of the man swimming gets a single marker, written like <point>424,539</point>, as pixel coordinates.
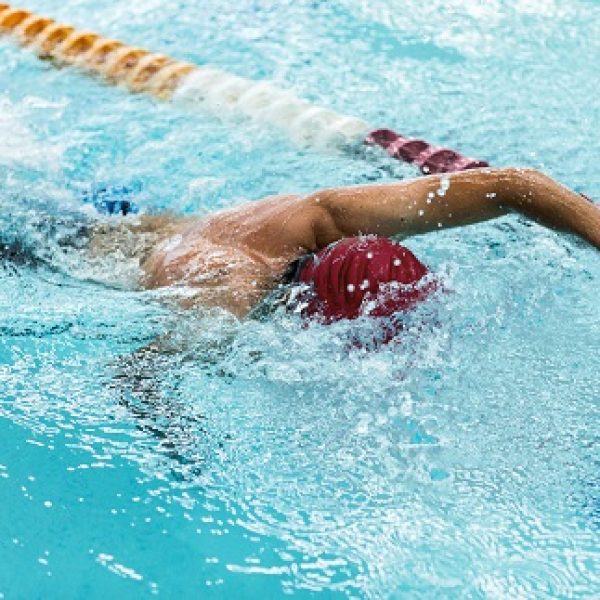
<point>234,258</point>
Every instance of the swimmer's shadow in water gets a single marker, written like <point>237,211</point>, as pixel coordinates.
<point>148,383</point>
<point>15,253</point>
<point>58,234</point>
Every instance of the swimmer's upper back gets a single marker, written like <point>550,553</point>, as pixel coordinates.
<point>213,273</point>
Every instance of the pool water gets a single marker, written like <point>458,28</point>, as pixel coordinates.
<point>149,451</point>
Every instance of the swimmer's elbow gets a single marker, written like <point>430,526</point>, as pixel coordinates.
<point>520,178</point>
<point>518,185</point>
<point>326,224</point>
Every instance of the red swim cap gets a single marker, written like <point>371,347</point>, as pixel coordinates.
<point>362,275</point>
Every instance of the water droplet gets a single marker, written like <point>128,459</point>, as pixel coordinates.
<point>444,186</point>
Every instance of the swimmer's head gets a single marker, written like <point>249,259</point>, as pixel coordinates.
<point>364,275</point>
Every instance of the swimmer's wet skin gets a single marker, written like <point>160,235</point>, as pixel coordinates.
<point>233,258</point>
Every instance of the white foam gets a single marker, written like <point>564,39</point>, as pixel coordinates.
<point>19,147</point>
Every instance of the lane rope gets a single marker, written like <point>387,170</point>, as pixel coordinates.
<point>211,90</point>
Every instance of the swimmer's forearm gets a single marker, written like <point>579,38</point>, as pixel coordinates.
<point>416,206</point>
<point>546,201</point>
<point>438,202</point>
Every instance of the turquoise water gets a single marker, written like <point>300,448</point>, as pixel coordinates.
<point>258,459</point>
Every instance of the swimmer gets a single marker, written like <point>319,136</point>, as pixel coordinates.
<point>336,241</point>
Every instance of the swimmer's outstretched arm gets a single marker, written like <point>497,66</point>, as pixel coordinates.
<point>436,202</point>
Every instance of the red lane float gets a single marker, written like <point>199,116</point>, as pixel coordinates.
<point>430,159</point>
